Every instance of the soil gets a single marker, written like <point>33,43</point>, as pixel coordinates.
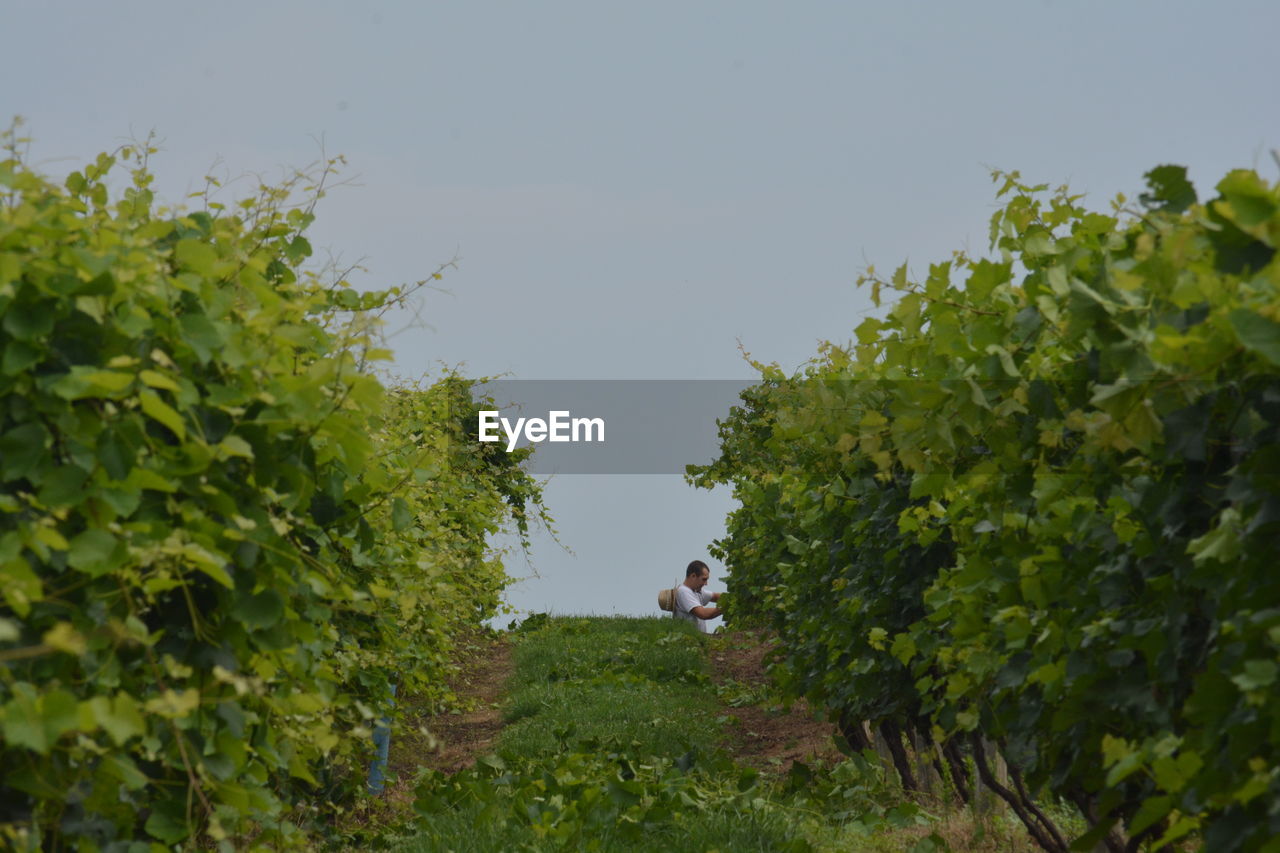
<point>765,734</point>
<point>462,737</point>
<point>453,741</point>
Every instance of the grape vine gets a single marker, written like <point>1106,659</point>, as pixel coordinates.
<point>222,540</point>
<point>1033,510</point>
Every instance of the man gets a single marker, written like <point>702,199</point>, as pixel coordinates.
<point>691,600</point>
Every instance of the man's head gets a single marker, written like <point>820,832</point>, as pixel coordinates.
<point>697,575</point>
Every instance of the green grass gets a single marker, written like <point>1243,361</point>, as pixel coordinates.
<point>721,829</point>
<point>652,719</point>
<point>610,743</point>
<point>566,648</point>
<point>636,682</point>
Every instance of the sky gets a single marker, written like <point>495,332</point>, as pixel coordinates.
<point>645,191</point>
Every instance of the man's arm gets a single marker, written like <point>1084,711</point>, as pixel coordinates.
<point>705,612</point>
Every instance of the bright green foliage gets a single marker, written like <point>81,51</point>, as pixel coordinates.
<point>1039,500</point>
<point>221,540</point>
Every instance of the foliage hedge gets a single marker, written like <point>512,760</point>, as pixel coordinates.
<point>222,540</point>
<point>1035,507</point>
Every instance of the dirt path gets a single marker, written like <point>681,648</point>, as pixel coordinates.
<point>464,737</point>
<point>455,740</point>
<point>763,735</point>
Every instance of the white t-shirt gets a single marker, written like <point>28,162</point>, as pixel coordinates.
<point>686,600</point>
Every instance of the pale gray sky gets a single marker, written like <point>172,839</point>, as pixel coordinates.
<point>635,188</point>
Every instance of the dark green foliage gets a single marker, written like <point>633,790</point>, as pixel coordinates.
<point>1044,509</point>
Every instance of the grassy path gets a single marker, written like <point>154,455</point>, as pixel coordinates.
<point>634,734</point>
<point>610,742</point>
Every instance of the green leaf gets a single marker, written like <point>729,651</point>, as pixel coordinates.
<point>121,501</point>
<point>624,794</point>
<point>120,767</point>
<point>18,357</point>
<point>1168,189</point>
<point>401,516</point>
<point>1041,243</point>
<point>1181,827</point>
<point>903,648</point>
<point>160,411</point>
<point>20,720</point>
<point>122,719</point>
<point>145,478</point>
<point>21,450</point>
<point>1123,768</point>
<point>1257,333</point>
<point>298,250</point>
<point>201,335</point>
<point>261,610</point>
<point>1115,749</point>
<point>115,454</point>
<point>166,827</point>
<point>1172,774</point>
<point>153,379</point>
<point>196,255</point>
<point>106,383</point>
<point>64,637</point>
<point>234,445</point>
<point>868,331</point>
<point>1006,360</point>
<point>298,769</point>
<point>59,713</point>
<point>36,721</point>
<point>1252,201</point>
<point>1222,543</point>
<point>63,487</point>
<point>29,322</point>
<point>985,277</point>
<point>19,585</point>
<point>1257,675</point>
<point>82,382</point>
<point>95,552</point>
<point>118,717</point>
<point>207,563</point>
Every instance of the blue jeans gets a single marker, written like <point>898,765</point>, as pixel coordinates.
<point>382,745</point>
